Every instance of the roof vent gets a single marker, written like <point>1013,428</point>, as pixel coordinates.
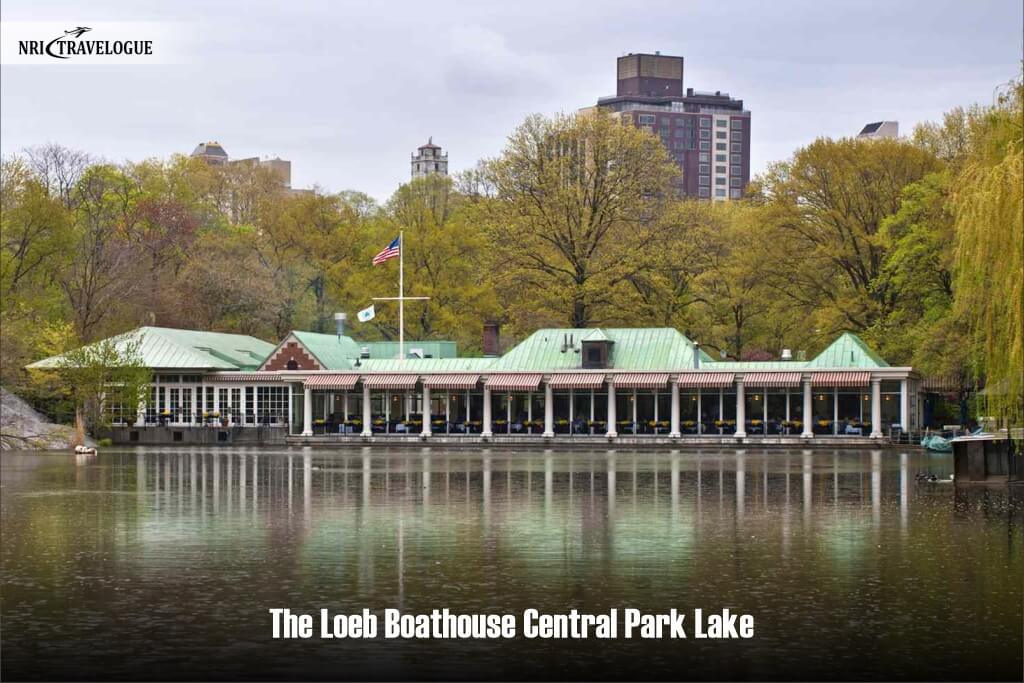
<point>364,351</point>
<point>787,354</point>
<point>339,323</point>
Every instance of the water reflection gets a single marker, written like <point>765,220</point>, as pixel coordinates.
<point>135,558</point>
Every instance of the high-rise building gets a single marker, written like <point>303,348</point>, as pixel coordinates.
<point>215,154</point>
<point>880,129</point>
<point>706,133</point>
<point>429,160</point>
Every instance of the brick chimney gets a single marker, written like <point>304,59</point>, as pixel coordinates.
<point>490,346</point>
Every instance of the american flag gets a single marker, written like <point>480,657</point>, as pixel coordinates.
<point>390,251</point>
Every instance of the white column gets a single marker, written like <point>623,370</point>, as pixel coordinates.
<point>426,410</point>
<point>904,406</point>
<point>741,411</point>
<point>808,409</point>
<point>549,411</point>
<point>307,411</point>
<point>674,427</point>
<point>486,431</point>
<point>611,411</point>
<point>255,405</point>
<point>367,412</point>
<point>876,408</point>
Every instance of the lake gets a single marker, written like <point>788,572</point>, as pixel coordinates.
<point>163,563</point>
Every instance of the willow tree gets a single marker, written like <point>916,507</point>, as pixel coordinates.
<point>577,211</point>
<point>990,260</point>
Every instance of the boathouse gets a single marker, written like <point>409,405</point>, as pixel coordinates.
<point>625,384</point>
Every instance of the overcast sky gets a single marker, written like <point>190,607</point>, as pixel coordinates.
<point>347,90</point>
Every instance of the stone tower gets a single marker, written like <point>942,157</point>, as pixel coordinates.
<point>429,160</point>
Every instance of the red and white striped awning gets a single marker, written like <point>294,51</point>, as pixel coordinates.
<point>843,379</point>
<point>577,380</point>
<point>331,381</point>
<point>772,379</point>
<point>451,381</point>
<point>514,381</point>
<point>641,380</point>
<point>243,377</point>
<point>391,381</point>
<point>706,380</point>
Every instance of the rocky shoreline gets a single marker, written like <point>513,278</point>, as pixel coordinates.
<point>23,428</point>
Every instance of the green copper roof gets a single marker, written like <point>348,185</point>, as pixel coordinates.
<point>167,348</point>
<point>333,352</point>
<point>426,364</point>
<point>340,353</point>
<point>434,349</point>
<point>849,351</point>
<point>595,335</point>
<point>648,348</point>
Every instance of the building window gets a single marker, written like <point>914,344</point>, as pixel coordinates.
<point>705,122</point>
<point>705,145</point>
<point>721,123</point>
<point>704,180</point>
<point>647,119</point>
<point>735,194</point>
<point>735,170</point>
<point>704,192</point>
<point>719,169</point>
<point>737,135</point>
<point>664,122</point>
<point>736,146</point>
<point>719,192</point>
<point>705,135</point>
<point>704,168</point>
<point>720,157</point>
<point>736,158</point>
<point>272,404</point>
<point>704,156</point>
<point>735,182</point>
<point>679,144</point>
<point>720,134</point>
<point>719,181</point>
<point>721,146</point>
<point>679,133</point>
<point>736,123</point>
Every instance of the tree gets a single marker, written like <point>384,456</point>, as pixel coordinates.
<point>990,257</point>
<point>578,210</point>
<point>103,379</point>
<point>98,280</point>
<point>826,207</point>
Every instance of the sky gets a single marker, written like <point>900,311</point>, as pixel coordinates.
<point>348,90</point>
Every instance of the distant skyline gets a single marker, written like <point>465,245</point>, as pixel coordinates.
<point>348,91</point>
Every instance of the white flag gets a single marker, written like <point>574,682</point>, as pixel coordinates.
<point>366,315</point>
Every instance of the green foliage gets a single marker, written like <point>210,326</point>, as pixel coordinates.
<point>579,210</point>
<point>990,257</point>
<point>101,379</point>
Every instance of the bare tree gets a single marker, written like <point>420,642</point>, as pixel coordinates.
<point>58,168</point>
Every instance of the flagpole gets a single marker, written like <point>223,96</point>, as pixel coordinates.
<point>401,295</point>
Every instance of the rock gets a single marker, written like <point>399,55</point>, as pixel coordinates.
<point>21,427</point>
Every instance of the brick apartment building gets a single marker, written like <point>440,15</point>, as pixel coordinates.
<point>706,133</point>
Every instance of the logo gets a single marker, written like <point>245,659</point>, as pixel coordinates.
<point>71,44</point>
